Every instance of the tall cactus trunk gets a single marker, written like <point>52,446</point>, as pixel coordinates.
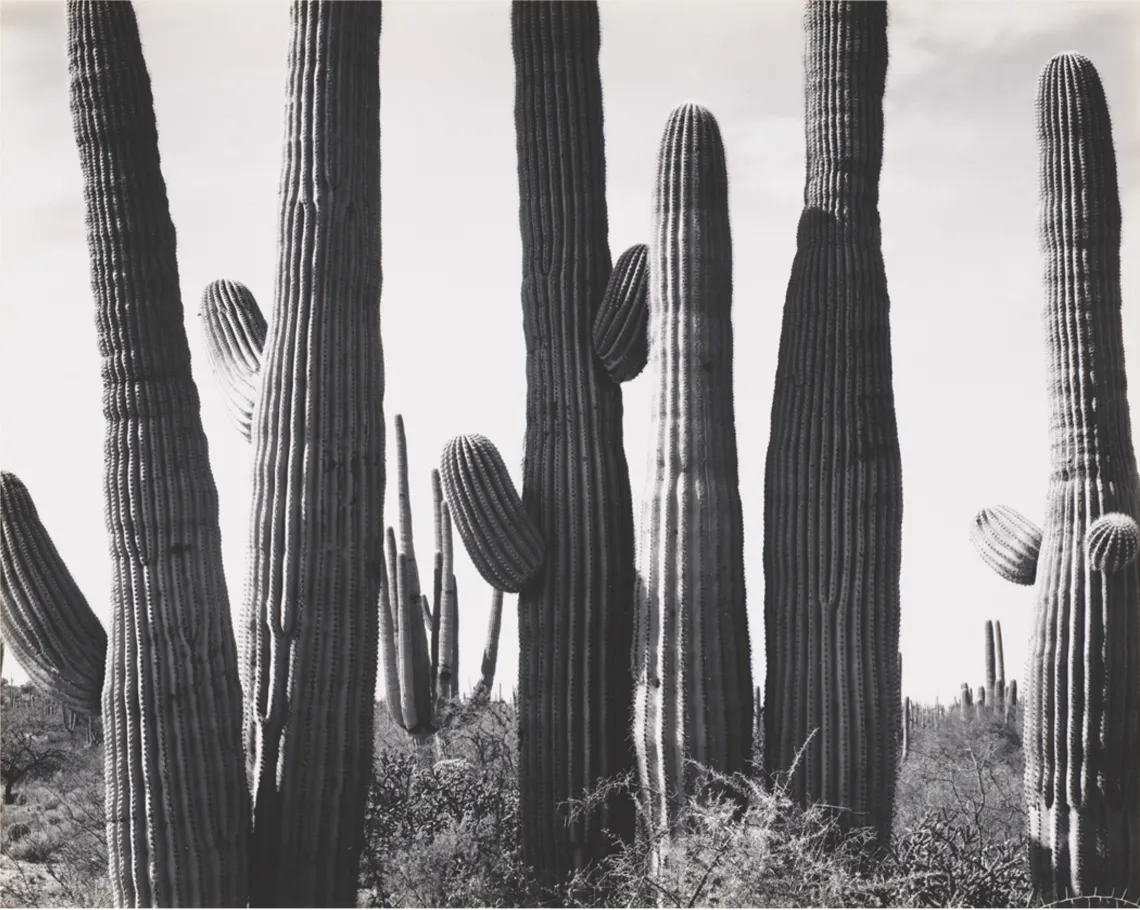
<point>692,660</point>
<point>576,618</point>
<point>1082,716</point>
<point>833,488</point>
<point>177,804</point>
<point>317,520</point>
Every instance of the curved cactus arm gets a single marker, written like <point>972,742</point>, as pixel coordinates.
<point>53,631</point>
<point>1008,542</point>
<point>235,338</point>
<point>621,328</point>
<point>1113,541</point>
<point>500,538</point>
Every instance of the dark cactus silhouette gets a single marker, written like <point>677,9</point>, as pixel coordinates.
<point>692,660</point>
<point>177,806</point>
<point>1082,693</point>
<point>833,487</point>
<point>621,327</point>
<point>576,618</point>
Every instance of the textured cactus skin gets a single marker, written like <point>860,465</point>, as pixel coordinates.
<point>693,697</point>
<point>1008,542</point>
<point>991,658</point>
<point>176,795</point>
<point>502,541</point>
<point>576,618</point>
<point>1113,541</point>
<point>235,339</point>
<point>1082,712</point>
<point>621,328</point>
<point>311,618</point>
<point>55,634</point>
<point>833,488</point>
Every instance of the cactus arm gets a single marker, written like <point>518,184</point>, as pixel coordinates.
<point>53,631</point>
<point>1008,542</point>
<point>502,541</point>
<point>1113,541</point>
<point>403,489</point>
<point>621,328</point>
<point>389,646</point>
<point>235,338</point>
<point>575,617</point>
<point>694,693</point>
<point>833,481</point>
<point>437,575</point>
<point>491,647</point>
<point>448,614</point>
<point>175,785</point>
<point>319,474</point>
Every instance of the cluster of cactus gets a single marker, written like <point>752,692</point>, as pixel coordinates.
<point>1082,700</point>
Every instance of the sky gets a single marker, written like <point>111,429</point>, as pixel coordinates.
<point>959,215</point>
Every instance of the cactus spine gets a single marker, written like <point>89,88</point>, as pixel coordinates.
<point>575,619</point>
<point>311,619</point>
<point>57,638</point>
<point>177,808</point>
<point>833,488</point>
<point>693,699</point>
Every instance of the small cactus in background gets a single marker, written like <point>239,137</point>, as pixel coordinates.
<point>999,678</point>
<point>833,483</point>
<point>991,660</point>
<point>57,638</point>
<point>235,340</point>
<point>1082,712</point>
<point>693,700</point>
<point>621,327</point>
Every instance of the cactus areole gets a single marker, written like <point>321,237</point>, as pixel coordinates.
<point>576,617</point>
<point>833,487</point>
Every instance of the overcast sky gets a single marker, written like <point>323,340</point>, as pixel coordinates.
<point>959,213</point>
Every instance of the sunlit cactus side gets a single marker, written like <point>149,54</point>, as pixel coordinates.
<point>621,327</point>
<point>235,338</point>
<point>691,658</point>
<point>833,484</point>
<point>1008,542</point>
<point>1082,693</point>
<point>177,805</point>
<point>576,617</point>
<point>503,542</point>
<point>318,433</point>
<point>56,636</point>
<point>447,623</point>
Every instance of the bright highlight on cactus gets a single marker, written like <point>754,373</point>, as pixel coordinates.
<point>500,538</point>
<point>235,336</point>
<point>1008,542</point>
<point>55,635</point>
<point>621,327</point>
<point>693,701</point>
<point>1113,541</point>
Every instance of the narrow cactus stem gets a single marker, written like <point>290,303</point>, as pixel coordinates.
<point>991,665</point>
<point>906,730</point>
<point>437,574</point>
<point>403,490</point>
<point>55,634</point>
<point>576,617</point>
<point>833,485</point>
<point>448,634</point>
<point>389,639</point>
<point>1082,712</point>
<point>999,681</point>
<point>491,648</point>
<point>693,701</point>
<point>312,625</point>
<point>621,328</point>
<point>235,339</point>
<point>177,805</point>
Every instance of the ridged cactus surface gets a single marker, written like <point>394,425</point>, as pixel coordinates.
<point>177,807</point>
<point>576,617</point>
<point>311,616</point>
<point>692,661</point>
<point>833,485</point>
<point>1008,542</point>
<point>1082,712</point>
<point>501,539</point>
<point>1113,541</point>
<point>621,327</point>
<point>57,639</point>
<point>235,339</point>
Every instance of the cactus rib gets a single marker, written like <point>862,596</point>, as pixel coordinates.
<point>235,339</point>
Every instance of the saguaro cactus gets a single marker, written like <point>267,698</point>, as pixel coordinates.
<point>621,328</point>
<point>991,661</point>
<point>1082,697</point>
<point>692,664</point>
<point>235,341</point>
<point>177,810</point>
<point>833,488</point>
<point>311,618</point>
<point>576,617</point>
<point>57,638</point>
